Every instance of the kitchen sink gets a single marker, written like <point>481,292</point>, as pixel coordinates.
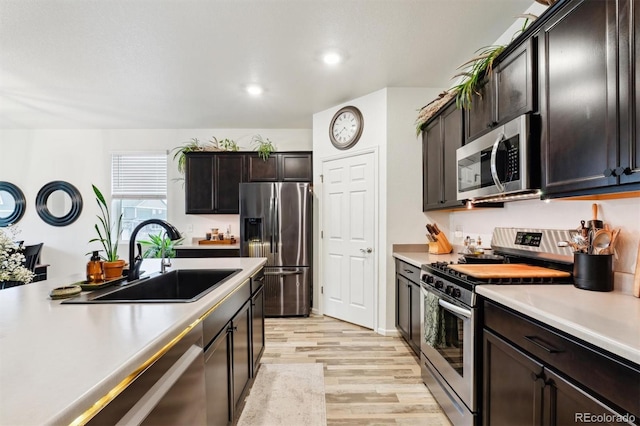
<point>181,285</point>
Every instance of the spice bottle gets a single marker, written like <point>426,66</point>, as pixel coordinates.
<point>95,271</point>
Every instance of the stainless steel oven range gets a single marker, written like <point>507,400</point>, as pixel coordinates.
<point>450,329</point>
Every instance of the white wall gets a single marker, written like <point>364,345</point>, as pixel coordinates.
<point>373,108</point>
<point>405,222</point>
<point>389,115</point>
<point>32,158</point>
<point>560,214</point>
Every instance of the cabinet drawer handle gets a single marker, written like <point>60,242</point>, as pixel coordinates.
<point>534,340</point>
<point>408,271</point>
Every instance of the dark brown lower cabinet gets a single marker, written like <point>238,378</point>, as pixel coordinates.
<point>257,328</point>
<point>241,355</point>
<point>408,300</point>
<point>533,375</point>
<point>512,393</point>
<point>403,303</point>
<point>520,391</point>
<point>217,380</point>
<point>230,359</point>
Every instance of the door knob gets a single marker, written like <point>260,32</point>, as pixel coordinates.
<point>367,250</point>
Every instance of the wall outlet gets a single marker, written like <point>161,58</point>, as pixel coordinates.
<point>190,227</point>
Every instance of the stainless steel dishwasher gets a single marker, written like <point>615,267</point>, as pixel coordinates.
<point>170,391</point>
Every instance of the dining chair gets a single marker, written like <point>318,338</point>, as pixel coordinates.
<point>31,256</point>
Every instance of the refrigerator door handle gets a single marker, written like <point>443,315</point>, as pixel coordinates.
<point>272,205</point>
<point>276,224</point>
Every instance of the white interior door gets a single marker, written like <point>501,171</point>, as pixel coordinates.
<point>348,225</point>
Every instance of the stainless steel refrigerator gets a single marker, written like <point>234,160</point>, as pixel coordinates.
<point>276,223</point>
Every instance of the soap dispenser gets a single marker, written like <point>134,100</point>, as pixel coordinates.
<point>95,271</point>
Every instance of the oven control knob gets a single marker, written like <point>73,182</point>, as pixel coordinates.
<point>448,290</point>
<point>430,279</point>
<point>456,292</point>
<point>439,284</point>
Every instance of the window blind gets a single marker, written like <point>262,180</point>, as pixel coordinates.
<point>139,176</point>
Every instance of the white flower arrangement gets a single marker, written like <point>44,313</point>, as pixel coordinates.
<point>12,259</point>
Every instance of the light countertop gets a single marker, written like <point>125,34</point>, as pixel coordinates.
<point>57,360</point>
<point>609,320</point>
<point>417,259</point>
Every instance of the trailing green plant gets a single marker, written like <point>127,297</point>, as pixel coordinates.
<point>108,230</point>
<point>154,246</point>
<point>264,147</point>
<point>226,144</point>
<point>476,69</point>
<point>193,145</point>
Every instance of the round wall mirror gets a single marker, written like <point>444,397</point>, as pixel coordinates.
<point>59,203</point>
<point>12,204</point>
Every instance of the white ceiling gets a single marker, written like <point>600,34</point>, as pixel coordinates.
<point>184,63</point>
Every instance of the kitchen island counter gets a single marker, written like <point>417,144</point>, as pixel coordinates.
<point>608,320</point>
<point>57,360</point>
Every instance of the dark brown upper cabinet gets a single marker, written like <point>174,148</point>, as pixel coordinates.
<point>211,182</point>
<point>262,170</point>
<point>441,137</point>
<point>628,170</point>
<point>587,98</point>
<point>507,92</point>
<point>212,178</point>
<point>281,167</point>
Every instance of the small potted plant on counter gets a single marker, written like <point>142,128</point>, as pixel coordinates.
<point>109,232</point>
<point>158,244</point>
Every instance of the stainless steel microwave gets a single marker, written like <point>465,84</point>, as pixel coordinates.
<point>499,163</point>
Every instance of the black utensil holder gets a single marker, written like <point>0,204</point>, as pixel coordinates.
<point>593,271</point>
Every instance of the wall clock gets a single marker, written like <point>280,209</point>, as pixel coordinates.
<point>345,128</point>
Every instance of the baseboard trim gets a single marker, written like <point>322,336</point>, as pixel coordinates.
<point>389,333</point>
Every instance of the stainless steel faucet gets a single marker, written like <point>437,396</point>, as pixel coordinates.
<point>136,260</point>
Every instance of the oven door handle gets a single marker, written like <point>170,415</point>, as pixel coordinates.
<point>494,166</point>
<point>455,309</point>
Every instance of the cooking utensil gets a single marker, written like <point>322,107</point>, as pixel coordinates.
<point>601,240</point>
<point>581,242</point>
<point>594,223</point>
<point>436,229</point>
<point>612,245</point>
<point>584,231</point>
<point>575,247</point>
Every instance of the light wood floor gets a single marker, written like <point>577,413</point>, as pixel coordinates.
<point>369,379</point>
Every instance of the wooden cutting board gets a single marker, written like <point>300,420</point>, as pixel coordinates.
<point>208,242</point>
<point>508,270</point>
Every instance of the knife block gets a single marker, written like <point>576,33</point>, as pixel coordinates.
<point>441,246</point>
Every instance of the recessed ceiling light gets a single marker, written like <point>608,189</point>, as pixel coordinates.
<point>254,90</point>
<point>331,58</point>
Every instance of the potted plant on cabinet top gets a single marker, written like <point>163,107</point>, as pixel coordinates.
<point>108,235</point>
<point>264,147</point>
